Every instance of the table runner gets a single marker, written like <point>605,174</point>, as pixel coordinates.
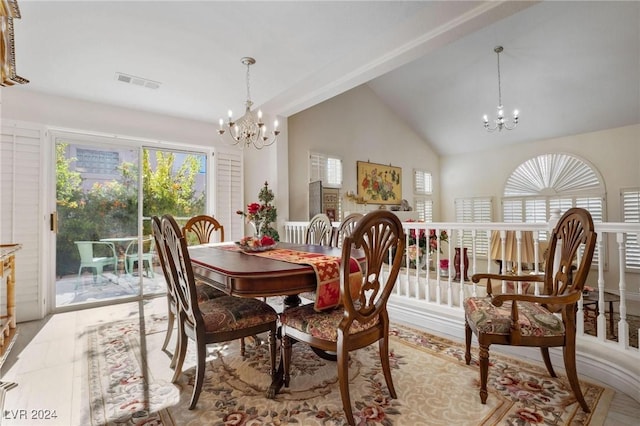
<point>327,269</point>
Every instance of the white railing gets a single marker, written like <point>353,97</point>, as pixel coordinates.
<point>427,298</point>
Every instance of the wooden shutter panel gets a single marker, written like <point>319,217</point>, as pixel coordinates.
<point>22,213</point>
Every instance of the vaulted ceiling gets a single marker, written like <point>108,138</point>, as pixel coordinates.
<point>569,67</point>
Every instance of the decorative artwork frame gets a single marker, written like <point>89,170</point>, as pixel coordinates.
<point>379,183</point>
<point>8,11</point>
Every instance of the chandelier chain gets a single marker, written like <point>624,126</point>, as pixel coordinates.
<point>500,122</point>
<point>499,82</point>
<point>248,83</point>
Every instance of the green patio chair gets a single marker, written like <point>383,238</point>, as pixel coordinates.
<point>144,259</point>
<point>96,255</point>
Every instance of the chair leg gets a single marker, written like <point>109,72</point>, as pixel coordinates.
<point>171,320</point>
<point>242,346</point>
<point>484,371</point>
<point>547,361</point>
<point>200,366</point>
<point>272,351</point>
<point>286,358</point>
<point>343,379</point>
<point>383,345</point>
<point>569,353</point>
<point>467,342</point>
<point>181,351</point>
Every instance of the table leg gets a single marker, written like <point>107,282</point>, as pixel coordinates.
<point>278,377</point>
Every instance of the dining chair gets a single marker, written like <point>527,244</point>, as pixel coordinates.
<point>212,321</point>
<point>345,229</point>
<point>204,291</point>
<point>319,231</point>
<point>362,319</point>
<point>203,228</point>
<point>530,320</point>
<point>143,259</point>
<point>96,255</point>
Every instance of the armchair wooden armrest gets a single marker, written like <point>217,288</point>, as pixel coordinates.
<point>564,299</point>
<point>518,278</point>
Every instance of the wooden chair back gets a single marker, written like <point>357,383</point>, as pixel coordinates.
<point>376,234</point>
<point>203,228</point>
<point>346,228</point>
<point>161,249</point>
<point>566,270</point>
<point>179,263</point>
<point>319,230</point>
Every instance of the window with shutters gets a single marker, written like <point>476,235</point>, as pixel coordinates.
<point>630,200</point>
<point>424,208</point>
<point>473,210</point>
<point>551,182</point>
<point>325,168</point>
<point>228,193</point>
<point>422,184</point>
<point>422,189</point>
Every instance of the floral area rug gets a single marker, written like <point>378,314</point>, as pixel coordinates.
<point>434,385</point>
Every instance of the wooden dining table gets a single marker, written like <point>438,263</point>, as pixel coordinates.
<point>245,275</point>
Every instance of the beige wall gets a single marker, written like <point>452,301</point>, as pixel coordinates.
<point>614,153</point>
<point>358,126</point>
<point>354,126</point>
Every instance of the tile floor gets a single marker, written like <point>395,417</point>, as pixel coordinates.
<point>48,358</point>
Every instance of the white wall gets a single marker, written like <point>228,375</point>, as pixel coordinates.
<point>55,111</point>
<point>355,126</point>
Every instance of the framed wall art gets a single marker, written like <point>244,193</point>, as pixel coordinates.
<point>8,11</point>
<point>379,183</point>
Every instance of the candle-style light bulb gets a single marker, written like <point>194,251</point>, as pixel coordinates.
<point>230,114</point>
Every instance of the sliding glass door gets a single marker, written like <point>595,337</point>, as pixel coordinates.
<point>104,247</point>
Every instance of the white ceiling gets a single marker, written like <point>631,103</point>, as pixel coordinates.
<point>569,67</point>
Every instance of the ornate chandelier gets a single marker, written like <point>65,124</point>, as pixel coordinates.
<point>248,130</point>
<point>500,122</point>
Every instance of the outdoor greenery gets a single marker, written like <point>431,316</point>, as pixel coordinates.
<point>110,209</point>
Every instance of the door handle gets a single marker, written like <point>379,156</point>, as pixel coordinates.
<point>53,222</point>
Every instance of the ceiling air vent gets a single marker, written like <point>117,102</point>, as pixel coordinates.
<point>137,81</point>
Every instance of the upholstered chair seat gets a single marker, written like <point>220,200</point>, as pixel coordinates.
<point>533,318</point>
<point>322,325</point>
<point>230,313</point>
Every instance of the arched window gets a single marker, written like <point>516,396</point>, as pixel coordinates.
<point>552,181</point>
<point>549,182</point>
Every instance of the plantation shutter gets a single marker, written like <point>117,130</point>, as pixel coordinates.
<point>631,213</point>
<point>512,211</point>
<point>593,205</point>
<point>424,207</point>
<point>228,197</point>
<point>22,218</point>
<point>326,169</point>
<point>422,182</point>
<point>476,210</point>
